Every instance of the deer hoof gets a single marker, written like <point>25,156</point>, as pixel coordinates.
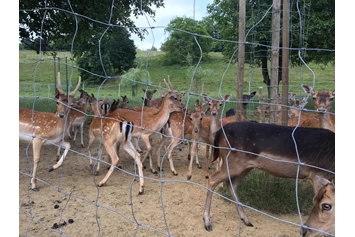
<point>249,224</point>
<point>155,172</point>
<point>82,145</point>
<point>189,177</point>
<point>51,169</point>
<point>175,173</point>
<point>208,228</point>
<point>35,189</point>
<point>207,176</point>
<point>199,166</point>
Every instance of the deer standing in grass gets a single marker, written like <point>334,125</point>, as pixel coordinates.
<point>244,146</point>
<point>113,131</point>
<point>43,128</point>
<point>322,216</point>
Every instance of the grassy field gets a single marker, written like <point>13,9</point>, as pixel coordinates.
<point>222,80</point>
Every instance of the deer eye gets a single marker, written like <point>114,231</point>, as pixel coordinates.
<point>201,119</point>
<point>326,207</point>
<point>331,99</point>
<point>191,119</point>
<point>314,98</point>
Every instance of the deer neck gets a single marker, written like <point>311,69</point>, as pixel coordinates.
<point>326,122</point>
<point>162,116</point>
<point>214,126</point>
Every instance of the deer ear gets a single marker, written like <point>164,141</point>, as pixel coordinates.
<point>308,89</point>
<point>252,94</point>
<point>333,92</point>
<point>143,90</point>
<point>227,97</point>
<point>154,91</point>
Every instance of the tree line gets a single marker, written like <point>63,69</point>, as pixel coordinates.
<point>105,49</point>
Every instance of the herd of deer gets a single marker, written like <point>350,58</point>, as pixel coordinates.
<point>305,152</point>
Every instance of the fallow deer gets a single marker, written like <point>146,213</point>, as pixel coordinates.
<point>322,100</point>
<point>187,127</point>
<point>43,128</point>
<point>321,220</point>
<point>148,123</point>
<point>113,130</point>
<point>114,105</point>
<point>271,148</point>
<point>79,114</point>
<point>246,99</point>
<point>209,125</point>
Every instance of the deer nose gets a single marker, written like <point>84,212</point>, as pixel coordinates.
<point>214,113</point>
<point>61,115</point>
<point>321,110</point>
<point>196,130</point>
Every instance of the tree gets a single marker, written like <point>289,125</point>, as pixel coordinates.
<point>135,77</point>
<point>198,73</point>
<point>318,19</point>
<point>115,54</point>
<point>85,24</point>
<point>180,43</point>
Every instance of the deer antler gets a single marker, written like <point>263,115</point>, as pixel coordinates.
<point>59,84</point>
<point>76,88</point>
<point>167,85</point>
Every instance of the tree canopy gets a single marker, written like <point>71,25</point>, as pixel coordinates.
<point>87,25</point>
<point>312,27</point>
<point>181,44</point>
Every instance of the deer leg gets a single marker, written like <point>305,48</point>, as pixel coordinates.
<point>196,156</point>
<point>213,181</point>
<point>129,148</point>
<point>233,191</point>
<point>58,154</point>
<point>137,145</point>
<point>82,134</point>
<point>160,145</point>
<point>75,130</point>
<point>111,150</point>
<point>61,160</point>
<point>170,148</point>
<point>192,152</point>
<point>146,140</point>
<point>189,149</point>
<point>37,145</point>
<point>207,161</point>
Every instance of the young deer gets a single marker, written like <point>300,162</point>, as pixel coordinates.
<point>192,131</point>
<point>79,114</point>
<point>43,128</point>
<point>148,123</point>
<point>113,131</point>
<point>254,146</point>
<point>322,216</point>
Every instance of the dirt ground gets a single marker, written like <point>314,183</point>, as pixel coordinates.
<point>169,208</point>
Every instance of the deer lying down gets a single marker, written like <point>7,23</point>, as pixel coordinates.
<point>322,216</point>
<point>251,142</point>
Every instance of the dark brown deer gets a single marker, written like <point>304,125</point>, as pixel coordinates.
<point>246,99</point>
<point>271,148</point>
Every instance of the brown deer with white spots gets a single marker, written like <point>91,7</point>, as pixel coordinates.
<point>43,128</point>
<point>244,146</point>
<point>112,131</point>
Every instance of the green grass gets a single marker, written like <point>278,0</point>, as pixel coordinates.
<point>32,69</point>
<point>272,194</point>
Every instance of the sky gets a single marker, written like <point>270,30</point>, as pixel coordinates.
<point>195,9</point>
